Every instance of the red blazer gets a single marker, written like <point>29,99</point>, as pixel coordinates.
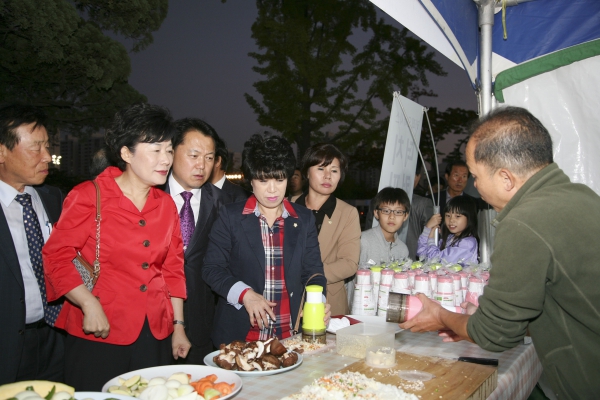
<point>141,259</point>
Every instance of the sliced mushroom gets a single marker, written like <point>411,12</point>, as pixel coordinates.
<point>277,349</point>
<point>268,344</point>
<point>256,365</point>
<point>224,364</point>
<point>242,363</point>
<point>260,349</point>
<point>289,359</point>
<point>271,359</point>
<point>238,343</point>
<point>230,357</point>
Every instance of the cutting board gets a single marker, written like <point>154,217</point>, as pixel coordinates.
<point>453,379</point>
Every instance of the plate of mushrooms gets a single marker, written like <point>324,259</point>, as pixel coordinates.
<point>257,358</point>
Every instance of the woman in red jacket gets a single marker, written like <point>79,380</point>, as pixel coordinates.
<point>125,322</point>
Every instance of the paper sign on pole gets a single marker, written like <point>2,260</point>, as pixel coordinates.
<point>401,149</point>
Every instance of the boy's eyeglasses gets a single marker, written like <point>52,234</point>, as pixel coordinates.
<point>387,211</point>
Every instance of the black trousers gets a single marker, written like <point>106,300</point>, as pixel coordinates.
<point>89,365</point>
<point>43,353</point>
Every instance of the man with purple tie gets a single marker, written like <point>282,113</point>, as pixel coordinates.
<point>198,202</point>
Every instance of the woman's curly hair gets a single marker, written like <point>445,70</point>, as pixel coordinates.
<point>267,157</point>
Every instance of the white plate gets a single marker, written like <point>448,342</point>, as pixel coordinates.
<point>196,371</point>
<point>208,360</point>
<point>375,320</point>
<point>99,396</point>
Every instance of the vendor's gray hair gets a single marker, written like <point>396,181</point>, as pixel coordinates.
<point>512,138</point>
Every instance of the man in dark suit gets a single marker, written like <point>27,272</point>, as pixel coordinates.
<point>194,153</point>
<point>457,175</point>
<point>30,347</point>
<point>236,192</point>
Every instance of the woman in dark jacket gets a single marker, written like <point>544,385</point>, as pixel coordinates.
<point>262,252</point>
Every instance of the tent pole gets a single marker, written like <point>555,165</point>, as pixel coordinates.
<point>485,10</point>
<point>486,23</point>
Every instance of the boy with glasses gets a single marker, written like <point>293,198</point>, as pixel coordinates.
<point>381,244</point>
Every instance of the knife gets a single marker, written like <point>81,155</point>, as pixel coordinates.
<point>482,361</point>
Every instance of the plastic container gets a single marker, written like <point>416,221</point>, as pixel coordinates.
<point>381,357</point>
<point>402,307</point>
<point>354,340</point>
<point>364,300</point>
<point>363,277</point>
<point>423,285</point>
<point>401,283</point>
<point>445,291</point>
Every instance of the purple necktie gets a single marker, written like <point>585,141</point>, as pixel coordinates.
<point>186,217</point>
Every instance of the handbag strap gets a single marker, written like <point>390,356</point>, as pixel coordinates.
<point>98,218</point>
<point>297,325</point>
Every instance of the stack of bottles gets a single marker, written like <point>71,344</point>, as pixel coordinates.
<point>446,283</point>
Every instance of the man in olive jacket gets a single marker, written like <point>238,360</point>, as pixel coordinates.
<point>545,273</point>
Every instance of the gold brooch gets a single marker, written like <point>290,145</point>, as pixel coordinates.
<point>295,225</point>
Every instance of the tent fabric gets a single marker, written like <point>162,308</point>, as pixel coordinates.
<point>541,27</point>
<point>544,64</point>
<point>566,101</point>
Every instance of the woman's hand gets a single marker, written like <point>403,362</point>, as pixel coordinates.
<point>327,314</point>
<point>179,342</point>
<point>258,309</point>
<point>434,221</point>
<point>94,319</point>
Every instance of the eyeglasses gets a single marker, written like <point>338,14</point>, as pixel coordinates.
<point>387,211</point>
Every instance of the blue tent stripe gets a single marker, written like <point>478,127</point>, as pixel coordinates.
<point>540,27</point>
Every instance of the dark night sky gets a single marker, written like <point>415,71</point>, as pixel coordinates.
<point>198,66</point>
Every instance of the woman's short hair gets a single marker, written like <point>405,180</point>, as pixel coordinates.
<point>267,157</point>
<point>323,154</point>
<point>140,123</point>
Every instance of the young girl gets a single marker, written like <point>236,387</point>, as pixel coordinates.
<point>458,239</point>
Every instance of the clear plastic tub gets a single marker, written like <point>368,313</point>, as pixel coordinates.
<point>354,340</point>
<point>381,357</point>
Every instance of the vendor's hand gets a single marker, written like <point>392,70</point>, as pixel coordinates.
<point>258,308</point>
<point>179,342</point>
<point>428,319</point>
<point>449,336</point>
<point>94,319</point>
<point>434,221</point>
<point>469,307</point>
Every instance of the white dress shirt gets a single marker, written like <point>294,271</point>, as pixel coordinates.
<point>220,182</point>
<point>13,211</point>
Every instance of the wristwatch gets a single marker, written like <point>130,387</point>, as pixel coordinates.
<point>178,322</point>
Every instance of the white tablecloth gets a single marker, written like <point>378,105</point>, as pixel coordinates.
<point>518,371</point>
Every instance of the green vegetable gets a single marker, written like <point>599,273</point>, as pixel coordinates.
<point>51,393</point>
